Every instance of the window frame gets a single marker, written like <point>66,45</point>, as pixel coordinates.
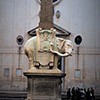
<point>6,72</point>
<point>18,72</point>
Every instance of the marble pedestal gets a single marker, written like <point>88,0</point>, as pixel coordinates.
<point>44,86</point>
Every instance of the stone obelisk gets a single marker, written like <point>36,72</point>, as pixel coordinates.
<point>44,84</point>
<point>46,14</point>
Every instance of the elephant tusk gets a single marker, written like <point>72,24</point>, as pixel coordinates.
<point>58,53</point>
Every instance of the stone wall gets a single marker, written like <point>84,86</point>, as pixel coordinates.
<point>80,17</point>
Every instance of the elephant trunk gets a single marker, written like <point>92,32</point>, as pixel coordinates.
<point>66,54</point>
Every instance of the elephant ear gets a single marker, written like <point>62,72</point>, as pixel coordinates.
<point>60,43</point>
<point>68,46</point>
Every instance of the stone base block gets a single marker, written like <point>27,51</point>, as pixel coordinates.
<point>44,86</point>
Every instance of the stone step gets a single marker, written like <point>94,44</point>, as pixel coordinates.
<point>12,95</point>
<point>12,98</point>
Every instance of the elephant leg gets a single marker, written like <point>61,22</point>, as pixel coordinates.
<point>55,62</point>
<point>31,64</point>
<point>30,55</point>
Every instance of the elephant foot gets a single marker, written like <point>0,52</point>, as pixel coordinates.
<point>33,69</point>
<point>56,70</point>
<point>36,70</point>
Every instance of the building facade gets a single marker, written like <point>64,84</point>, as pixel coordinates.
<point>80,17</point>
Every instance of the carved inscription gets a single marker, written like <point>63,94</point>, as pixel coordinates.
<point>44,88</point>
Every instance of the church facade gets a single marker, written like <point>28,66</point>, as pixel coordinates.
<point>71,18</point>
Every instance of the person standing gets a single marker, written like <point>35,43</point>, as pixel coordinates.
<point>92,93</point>
<point>68,94</point>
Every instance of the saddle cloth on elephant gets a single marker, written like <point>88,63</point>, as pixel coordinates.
<point>43,57</point>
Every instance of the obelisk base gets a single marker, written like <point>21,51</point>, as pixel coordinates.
<point>44,86</point>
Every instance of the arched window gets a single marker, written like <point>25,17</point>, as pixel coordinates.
<point>55,1</point>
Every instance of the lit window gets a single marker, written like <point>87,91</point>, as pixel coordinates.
<point>6,72</point>
<point>18,72</point>
<point>77,73</point>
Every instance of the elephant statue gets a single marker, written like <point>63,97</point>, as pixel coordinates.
<point>44,50</point>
